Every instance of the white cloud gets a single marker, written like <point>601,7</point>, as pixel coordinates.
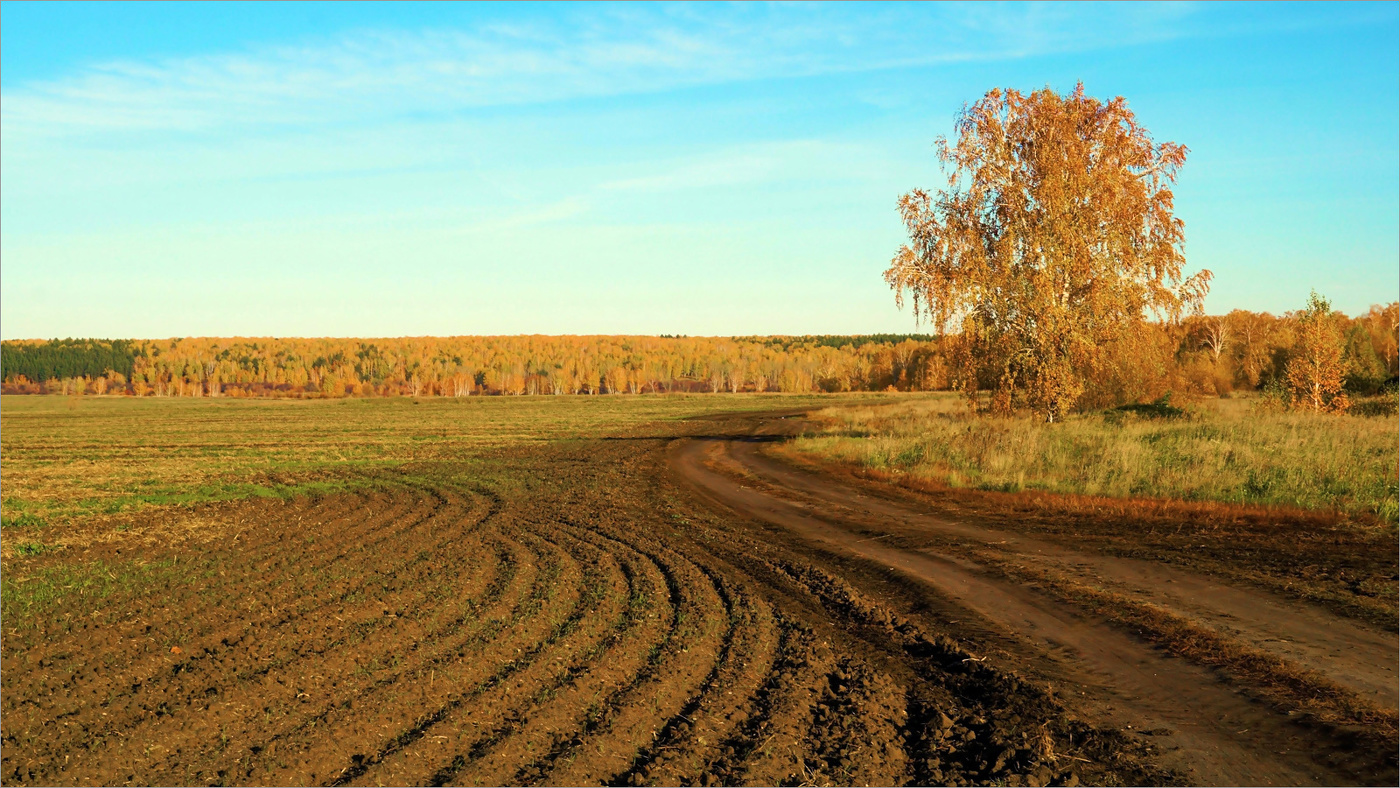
<point>596,52</point>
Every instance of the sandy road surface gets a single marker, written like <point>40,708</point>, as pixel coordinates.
<point>1208,727</point>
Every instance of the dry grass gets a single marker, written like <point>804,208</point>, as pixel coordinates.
<point>1228,451</point>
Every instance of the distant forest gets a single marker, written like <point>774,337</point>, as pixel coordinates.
<point>1208,355</point>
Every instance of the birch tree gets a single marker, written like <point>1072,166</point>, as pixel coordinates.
<point>1054,236</point>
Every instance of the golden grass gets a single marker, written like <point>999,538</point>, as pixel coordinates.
<point>1229,451</point>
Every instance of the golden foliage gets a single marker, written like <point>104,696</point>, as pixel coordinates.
<point>1054,237</point>
<point>1315,369</point>
<point>1382,326</point>
<point>1200,355</point>
<point>510,365</point>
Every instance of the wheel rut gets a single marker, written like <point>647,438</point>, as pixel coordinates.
<point>1362,659</point>
<point>1220,734</point>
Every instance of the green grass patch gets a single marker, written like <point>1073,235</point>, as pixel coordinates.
<point>22,520</point>
<point>31,549</point>
<point>53,591</point>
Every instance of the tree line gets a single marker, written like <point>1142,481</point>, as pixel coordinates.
<point>68,358</point>
<point>466,366</point>
<point>1202,355</point>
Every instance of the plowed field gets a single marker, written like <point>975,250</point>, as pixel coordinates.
<point>641,604</point>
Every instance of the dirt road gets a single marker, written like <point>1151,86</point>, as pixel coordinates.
<point>1212,728</point>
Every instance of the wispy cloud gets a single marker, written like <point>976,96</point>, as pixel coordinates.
<point>512,176</point>
<point>594,52</point>
<point>791,160</point>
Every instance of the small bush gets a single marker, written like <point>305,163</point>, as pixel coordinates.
<point>1387,404</point>
<point>1161,408</point>
<point>1274,396</point>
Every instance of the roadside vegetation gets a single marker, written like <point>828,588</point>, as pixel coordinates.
<point>1237,450</point>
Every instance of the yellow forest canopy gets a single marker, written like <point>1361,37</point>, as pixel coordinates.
<point>1203,355</point>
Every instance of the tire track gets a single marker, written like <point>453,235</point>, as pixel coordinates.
<point>1152,688</point>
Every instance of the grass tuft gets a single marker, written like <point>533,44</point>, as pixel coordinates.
<point>1225,451</point>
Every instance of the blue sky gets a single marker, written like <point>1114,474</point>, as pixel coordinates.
<point>383,170</point>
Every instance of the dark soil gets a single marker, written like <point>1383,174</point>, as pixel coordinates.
<point>557,613</point>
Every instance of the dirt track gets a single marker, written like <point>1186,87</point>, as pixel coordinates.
<point>1220,735</point>
<point>653,609</point>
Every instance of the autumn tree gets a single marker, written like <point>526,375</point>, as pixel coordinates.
<point>1382,325</point>
<point>1214,336</point>
<point>1252,332</point>
<point>1054,237</point>
<point>1147,361</point>
<point>1315,369</point>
